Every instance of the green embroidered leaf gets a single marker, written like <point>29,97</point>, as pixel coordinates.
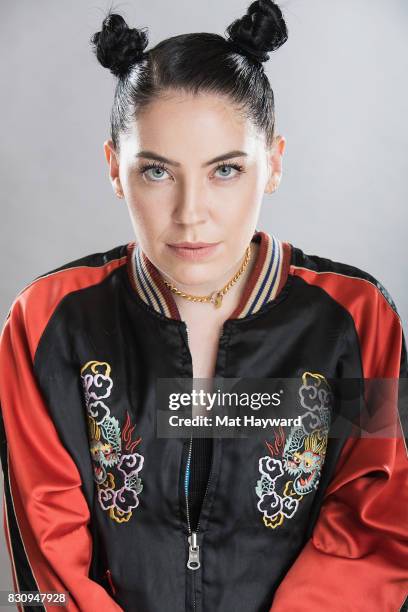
<point>264,485</point>
<point>111,432</point>
<point>135,483</point>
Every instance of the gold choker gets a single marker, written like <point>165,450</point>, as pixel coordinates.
<point>216,296</point>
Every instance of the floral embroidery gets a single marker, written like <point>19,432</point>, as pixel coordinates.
<point>300,455</point>
<point>116,466</point>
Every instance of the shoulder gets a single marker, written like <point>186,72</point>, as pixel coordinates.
<point>91,264</point>
<point>343,281</point>
<point>35,303</point>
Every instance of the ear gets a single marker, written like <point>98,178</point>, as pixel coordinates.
<point>275,155</point>
<point>113,163</point>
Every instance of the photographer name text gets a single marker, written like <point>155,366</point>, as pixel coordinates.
<point>239,421</point>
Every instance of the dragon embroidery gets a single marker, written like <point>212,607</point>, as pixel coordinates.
<point>116,465</point>
<point>293,468</point>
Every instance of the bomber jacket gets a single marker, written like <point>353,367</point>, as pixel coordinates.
<point>97,505</point>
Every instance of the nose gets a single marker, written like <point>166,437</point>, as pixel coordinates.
<point>191,206</point>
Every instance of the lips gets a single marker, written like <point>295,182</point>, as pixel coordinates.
<point>193,251</point>
<point>192,245</point>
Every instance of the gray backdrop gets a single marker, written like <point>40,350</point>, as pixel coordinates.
<point>341,99</point>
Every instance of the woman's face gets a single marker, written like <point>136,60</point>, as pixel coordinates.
<point>207,185</point>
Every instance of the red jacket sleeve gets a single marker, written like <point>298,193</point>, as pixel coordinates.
<point>357,557</point>
<point>46,515</point>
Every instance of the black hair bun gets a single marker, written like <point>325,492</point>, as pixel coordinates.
<point>117,46</point>
<point>261,29</point>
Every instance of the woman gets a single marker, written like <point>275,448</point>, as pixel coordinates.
<point>98,505</point>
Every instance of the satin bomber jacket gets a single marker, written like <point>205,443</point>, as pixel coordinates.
<point>96,505</point>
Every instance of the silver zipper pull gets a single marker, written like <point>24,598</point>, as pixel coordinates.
<point>193,562</point>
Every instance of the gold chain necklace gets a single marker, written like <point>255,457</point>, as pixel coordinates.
<point>216,296</point>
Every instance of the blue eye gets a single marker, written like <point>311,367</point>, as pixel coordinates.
<point>159,171</point>
<point>237,167</point>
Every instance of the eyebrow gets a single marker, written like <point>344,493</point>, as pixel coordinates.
<point>152,155</point>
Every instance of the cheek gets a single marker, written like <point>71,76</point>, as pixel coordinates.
<point>250,189</point>
<point>147,223</point>
<point>243,205</point>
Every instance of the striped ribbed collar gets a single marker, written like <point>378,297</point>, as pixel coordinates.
<point>267,277</point>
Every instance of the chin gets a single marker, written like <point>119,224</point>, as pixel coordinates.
<point>191,273</point>
<point>189,277</point>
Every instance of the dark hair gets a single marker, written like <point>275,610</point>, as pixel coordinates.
<point>196,62</point>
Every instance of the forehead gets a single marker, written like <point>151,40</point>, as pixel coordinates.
<point>186,123</point>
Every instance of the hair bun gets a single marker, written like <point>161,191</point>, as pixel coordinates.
<point>260,30</point>
<point>117,46</point>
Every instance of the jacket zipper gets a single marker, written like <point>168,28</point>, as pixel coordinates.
<point>193,562</point>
